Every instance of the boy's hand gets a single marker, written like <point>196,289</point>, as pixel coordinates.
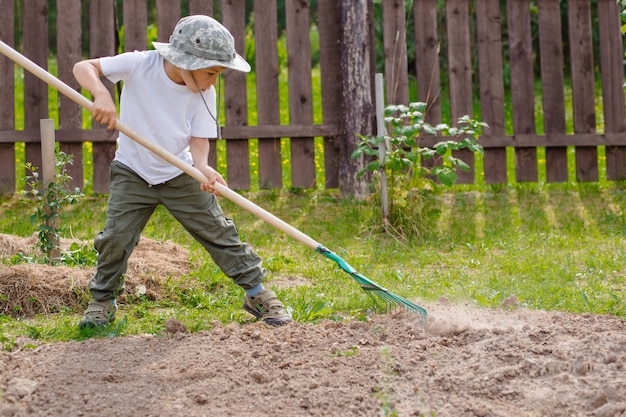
<point>88,73</point>
<point>104,110</point>
<point>213,177</point>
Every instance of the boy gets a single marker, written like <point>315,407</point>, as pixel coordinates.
<point>169,97</point>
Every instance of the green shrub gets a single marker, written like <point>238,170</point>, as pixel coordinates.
<point>411,181</point>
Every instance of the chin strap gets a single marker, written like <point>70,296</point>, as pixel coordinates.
<point>217,119</point>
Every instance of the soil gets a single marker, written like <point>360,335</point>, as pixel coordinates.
<point>465,361</point>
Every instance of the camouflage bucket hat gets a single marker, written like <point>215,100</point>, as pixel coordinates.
<point>201,42</point>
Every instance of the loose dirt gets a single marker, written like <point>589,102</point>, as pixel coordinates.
<point>465,361</point>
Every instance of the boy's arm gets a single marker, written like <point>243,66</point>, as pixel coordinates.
<point>199,148</point>
<point>88,73</point>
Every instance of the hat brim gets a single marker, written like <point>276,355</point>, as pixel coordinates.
<point>191,62</point>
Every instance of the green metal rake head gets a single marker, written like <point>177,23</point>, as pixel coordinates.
<point>371,287</point>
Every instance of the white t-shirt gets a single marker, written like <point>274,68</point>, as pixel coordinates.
<point>160,110</point>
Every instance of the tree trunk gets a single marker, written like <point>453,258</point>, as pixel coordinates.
<point>356,95</point>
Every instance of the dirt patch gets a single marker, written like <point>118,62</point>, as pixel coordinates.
<point>466,361</point>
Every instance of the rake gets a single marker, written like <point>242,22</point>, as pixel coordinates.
<point>366,284</point>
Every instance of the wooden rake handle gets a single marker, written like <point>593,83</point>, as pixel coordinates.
<point>81,100</point>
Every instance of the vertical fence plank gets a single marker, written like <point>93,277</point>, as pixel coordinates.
<point>205,7</point>
<point>7,93</point>
<point>68,53</point>
<point>300,91</point>
<point>135,16</point>
<point>267,72</point>
<point>102,43</point>
<point>552,83</point>
<point>583,95</point>
<point>427,64</point>
<point>35,40</point>
<point>394,39</point>
<point>460,74</point>
<point>201,7</point>
<point>236,96</point>
<point>371,39</point>
<point>522,86</point>
<point>612,65</point>
<point>428,73</point>
<point>329,19</point>
<point>489,31</point>
<point>167,15</point>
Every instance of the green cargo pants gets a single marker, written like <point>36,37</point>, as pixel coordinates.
<point>131,203</point>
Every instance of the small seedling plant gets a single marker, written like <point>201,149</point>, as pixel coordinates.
<point>50,200</point>
<point>410,178</point>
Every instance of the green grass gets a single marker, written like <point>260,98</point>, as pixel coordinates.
<point>556,247</point>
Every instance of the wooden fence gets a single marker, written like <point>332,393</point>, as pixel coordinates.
<point>483,44</point>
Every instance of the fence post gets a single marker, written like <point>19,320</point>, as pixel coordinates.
<point>48,157</point>
<point>382,147</point>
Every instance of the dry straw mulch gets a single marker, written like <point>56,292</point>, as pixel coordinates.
<point>29,289</point>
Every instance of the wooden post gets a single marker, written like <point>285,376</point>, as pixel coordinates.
<point>382,147</point>
<point>48,157</point>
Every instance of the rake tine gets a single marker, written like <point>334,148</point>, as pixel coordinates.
<point>370,286</point>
